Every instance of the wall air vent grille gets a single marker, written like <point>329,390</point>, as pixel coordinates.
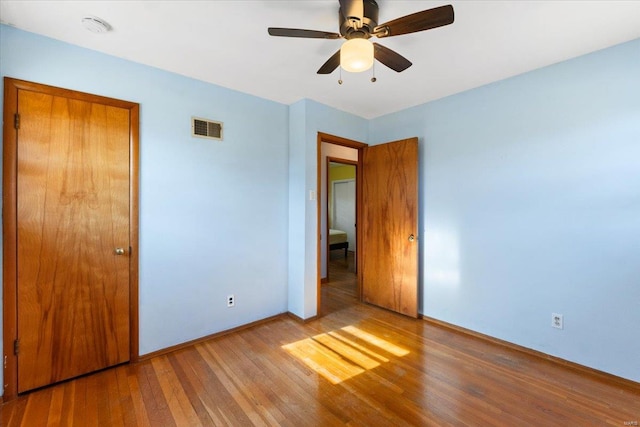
<point>205,128</point>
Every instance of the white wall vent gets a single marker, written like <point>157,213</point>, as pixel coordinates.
<point>205,128</point>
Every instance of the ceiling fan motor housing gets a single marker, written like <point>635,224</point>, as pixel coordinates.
<point>353,28</point>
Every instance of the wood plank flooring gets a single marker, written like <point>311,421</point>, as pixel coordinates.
<point>355,366</point>
<point>341,290</point>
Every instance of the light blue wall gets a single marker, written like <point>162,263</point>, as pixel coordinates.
<point>213,215</point>
<point>530,193</point>
<point>303,156</point>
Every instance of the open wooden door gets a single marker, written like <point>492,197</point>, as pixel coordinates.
<point>389,263</point>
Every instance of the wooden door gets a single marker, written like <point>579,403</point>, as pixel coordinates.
<point>389,266</point>
<point>72,236</point>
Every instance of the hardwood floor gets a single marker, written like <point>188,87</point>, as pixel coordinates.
<point>357,366</point>
<point>341,289</point>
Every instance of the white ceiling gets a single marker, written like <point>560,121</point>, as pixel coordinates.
<point>226,43</point>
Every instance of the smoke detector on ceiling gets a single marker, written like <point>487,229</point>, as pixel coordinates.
<point>95,24</point>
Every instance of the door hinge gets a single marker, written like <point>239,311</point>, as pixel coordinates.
<point>16,121</point>
<point>16,347</point>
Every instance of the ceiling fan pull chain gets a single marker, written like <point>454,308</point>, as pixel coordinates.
<point>373,72</point>
<point>340,78</point>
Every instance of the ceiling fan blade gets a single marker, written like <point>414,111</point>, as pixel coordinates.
<point>419,21</point>
<point>352,9</point>
<point>307,34</point>
<point>331,64</point>
<point>390,58</point>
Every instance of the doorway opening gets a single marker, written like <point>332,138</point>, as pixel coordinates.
<point>339,174</point>
<point>340,283</point>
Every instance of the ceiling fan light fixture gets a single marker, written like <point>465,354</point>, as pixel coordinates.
<point>356,55</point>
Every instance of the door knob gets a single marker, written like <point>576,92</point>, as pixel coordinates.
<point>411,238</point>
<point>119,251</point>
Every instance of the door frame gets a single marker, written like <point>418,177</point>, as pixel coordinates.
<point>336,140</point>
<point>9,220</point>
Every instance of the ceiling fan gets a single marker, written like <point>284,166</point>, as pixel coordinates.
<point>358,21</point>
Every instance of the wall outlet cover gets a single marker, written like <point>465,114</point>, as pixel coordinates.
<point>557,321</point>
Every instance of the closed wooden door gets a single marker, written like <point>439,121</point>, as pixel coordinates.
<point>73,237</point>
<point>390,226</point>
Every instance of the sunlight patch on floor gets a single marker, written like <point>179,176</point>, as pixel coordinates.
<point>346,351</point>
<point>377,341</point>
<point>323,360</point>
<point>338,357</point>
<point>361,348</point>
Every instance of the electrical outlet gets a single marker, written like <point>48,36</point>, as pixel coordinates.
<point>231,300</point>
<point>557,321</point>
